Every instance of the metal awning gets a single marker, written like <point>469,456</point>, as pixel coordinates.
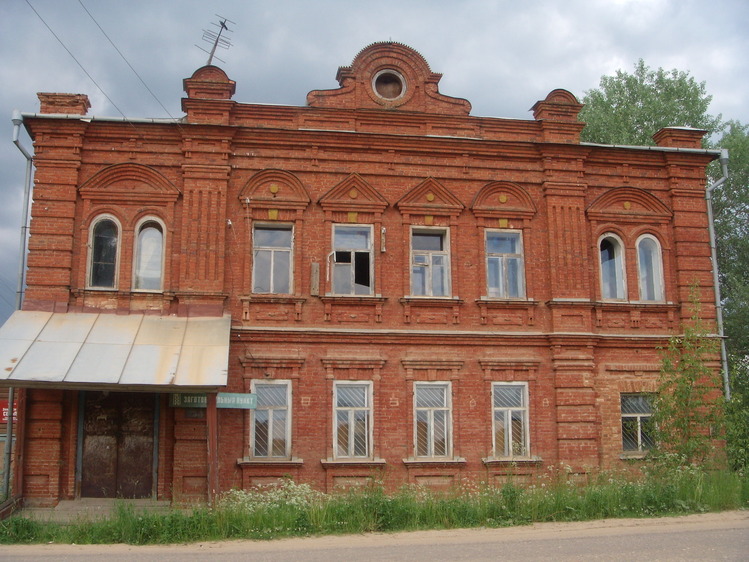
<point>127,352</point>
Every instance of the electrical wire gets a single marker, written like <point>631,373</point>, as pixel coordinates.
<point>124,59</point>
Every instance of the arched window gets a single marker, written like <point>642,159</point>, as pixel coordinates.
<point>104,251</point>
<point>149,257</point>
<point>612,267</point>
<point>650,268</point>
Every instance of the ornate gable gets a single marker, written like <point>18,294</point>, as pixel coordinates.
<point>353,195</point>
<point>389,75</point>
<point>503,200</point>
<point>274,190</point>
<point>629,204</point>
<point>125,183</point>
<point>430,197</point>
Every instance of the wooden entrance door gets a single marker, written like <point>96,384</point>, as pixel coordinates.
<point>118,440</point>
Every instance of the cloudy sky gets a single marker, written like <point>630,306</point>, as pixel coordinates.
<point>501,55</point>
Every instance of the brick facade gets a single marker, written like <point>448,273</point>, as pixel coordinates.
<point>389,153</point>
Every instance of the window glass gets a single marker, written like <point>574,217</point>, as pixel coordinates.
<point>352,414</point>
<point>650,269</point>
<point>352,260</point>
<point>510,420</point>
<point>430,264</point>
<point>149,257</point>
<point>638,431</point>
<point>432,420</point>
<point>612,269</point>
<point>504,265</point>
<point>104,254</point>
<point>270,420</point>
<point>272,263</point>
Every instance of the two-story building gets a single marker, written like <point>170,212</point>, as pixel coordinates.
<point>412,294</point>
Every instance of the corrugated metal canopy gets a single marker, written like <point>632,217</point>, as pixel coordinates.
<point>64,350</point>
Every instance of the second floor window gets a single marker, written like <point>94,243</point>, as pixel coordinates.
<point>272,263</point>
<point>104,250</point>
<point>650,269</point>
<point>430,263</point>
<point>352,260</point>
<point>149,257</point>
<point>504,264</point>
<point>612,268</point>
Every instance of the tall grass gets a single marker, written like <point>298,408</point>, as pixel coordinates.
<point>297,510</point>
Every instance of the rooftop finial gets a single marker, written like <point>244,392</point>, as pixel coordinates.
<point>215,38</point>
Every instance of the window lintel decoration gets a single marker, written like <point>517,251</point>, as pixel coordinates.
<point>274,189</point>
<point>629,204</point>
<point>503,200</point>
<point>430,197</point>
<point>353,194</point>
<point>129,183</point>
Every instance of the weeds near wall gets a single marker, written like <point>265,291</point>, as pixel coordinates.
<point>297,510</point>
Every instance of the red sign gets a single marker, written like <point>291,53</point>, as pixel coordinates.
<point>4,409</point>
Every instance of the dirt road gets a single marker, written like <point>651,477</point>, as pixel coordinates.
<point>713,536</point>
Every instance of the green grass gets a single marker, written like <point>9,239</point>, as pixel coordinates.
<point>297,510</point>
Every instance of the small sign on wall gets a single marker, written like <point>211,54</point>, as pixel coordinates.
<point>223,400</point>
<point>4,415</point>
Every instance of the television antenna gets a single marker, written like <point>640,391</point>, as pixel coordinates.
<point>217,38</point>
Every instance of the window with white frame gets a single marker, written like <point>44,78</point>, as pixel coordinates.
<point>352,260</point>
<point>638,430</point>
<point>149,257</point>
<point>104,253</point>
<point>353,415</point>
<point>430,263</point>
<point>432,419</point>
<point>650,268</point>
<point>271,420</point>
<point>272,262</point>
<point>611,253</point>
<point>504,264</point>
<point>510,419</point>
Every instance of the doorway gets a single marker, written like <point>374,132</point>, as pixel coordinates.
<point>117,437</point>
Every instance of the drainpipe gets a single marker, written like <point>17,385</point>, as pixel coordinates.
<point>17,120</point>
<point>714,256</point>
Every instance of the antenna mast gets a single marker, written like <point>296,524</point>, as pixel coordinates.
<point>216,39</point>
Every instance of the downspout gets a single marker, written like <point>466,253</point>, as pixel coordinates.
<point>17,120</point>
<point>714,256</point>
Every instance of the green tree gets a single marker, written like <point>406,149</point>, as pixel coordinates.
<point>688,406</point>
<point>631,108</point>
<point>737,415</point>
<point>731,210</point>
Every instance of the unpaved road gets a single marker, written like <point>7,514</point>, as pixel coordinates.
<point>713,536</point>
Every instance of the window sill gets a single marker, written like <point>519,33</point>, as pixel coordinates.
<point>633,455</point>
<point>272,298</point>
<point>431,301</point>
<point>246,461</point>
<point>334,463</point>
<point>353,299</point>
<point>426,462</point>
<point>489,461</point>
<point>505,301</point>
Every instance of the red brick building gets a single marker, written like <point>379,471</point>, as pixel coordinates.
<point>412,293</point>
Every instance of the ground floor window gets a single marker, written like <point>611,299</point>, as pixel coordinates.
<point>432,419</point>
<point>271,420</point>
<point>510,421</point>
<point>637,422</point>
